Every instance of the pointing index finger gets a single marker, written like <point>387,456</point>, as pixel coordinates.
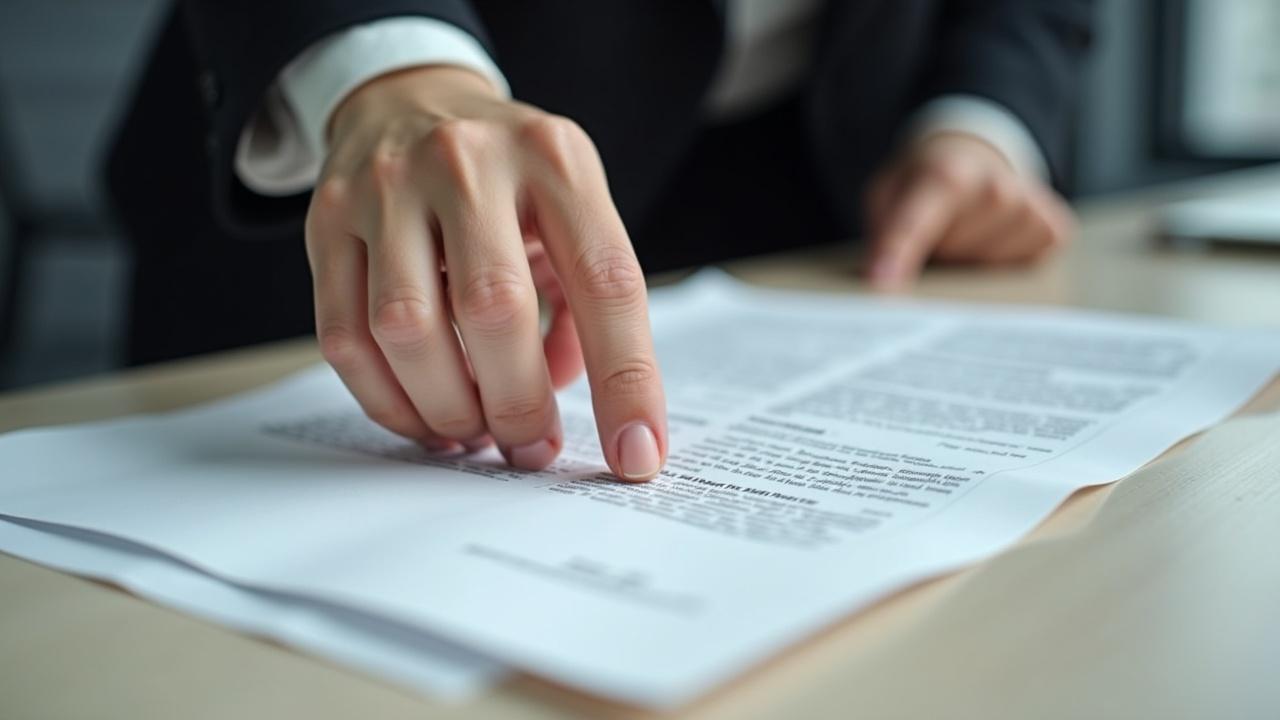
<point>912,226</point>
<point>605,289</point>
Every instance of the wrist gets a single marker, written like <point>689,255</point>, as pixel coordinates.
<point>970,144</point>
<point>432,89</point>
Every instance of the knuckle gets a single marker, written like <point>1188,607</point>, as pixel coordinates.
<point>403,323</point>
<point>523,413</point>
<point>553,134</point>
<point>495,299</point>
<point>632,377</point>
<point>329,208</point>
<point>457,136</point>
<point>453,148</point>
<point>950,173</point>
<point>558,141</point>
<point>330,196</point>
<point>387,167</point>
<point>610,275</point>
<point>340,347</point>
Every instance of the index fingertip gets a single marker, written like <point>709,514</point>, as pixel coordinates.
<point>639,457</point>
<point>887,269</point>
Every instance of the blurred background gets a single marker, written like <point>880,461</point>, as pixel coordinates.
<point>1175,89</point>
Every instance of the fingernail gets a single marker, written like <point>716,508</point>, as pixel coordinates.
<point>638,456</point>
<point>475,445</point>
<point>534,456</point>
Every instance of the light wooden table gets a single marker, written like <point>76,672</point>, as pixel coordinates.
<point>1158,597</point>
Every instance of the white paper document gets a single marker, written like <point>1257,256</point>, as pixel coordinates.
<point>825,451</point>
<point>389,650</point>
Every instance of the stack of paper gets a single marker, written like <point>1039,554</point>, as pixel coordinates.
<point>826,451</point>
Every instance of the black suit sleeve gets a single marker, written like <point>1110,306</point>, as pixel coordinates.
<point>240,47</point>
<point>1023,54</point>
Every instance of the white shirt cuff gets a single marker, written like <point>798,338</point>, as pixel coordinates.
<point>988,120</point>
<point>282,148</point>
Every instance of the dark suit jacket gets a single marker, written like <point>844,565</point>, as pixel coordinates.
<point>632,72</point>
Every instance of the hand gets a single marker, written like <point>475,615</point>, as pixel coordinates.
<point>953,197</point>
<point>442,212</point>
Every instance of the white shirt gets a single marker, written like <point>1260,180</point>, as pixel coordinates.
<point>768,50</point>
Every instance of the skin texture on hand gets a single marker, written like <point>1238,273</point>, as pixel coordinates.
<point>443,213</point>
<point>954,198</point>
